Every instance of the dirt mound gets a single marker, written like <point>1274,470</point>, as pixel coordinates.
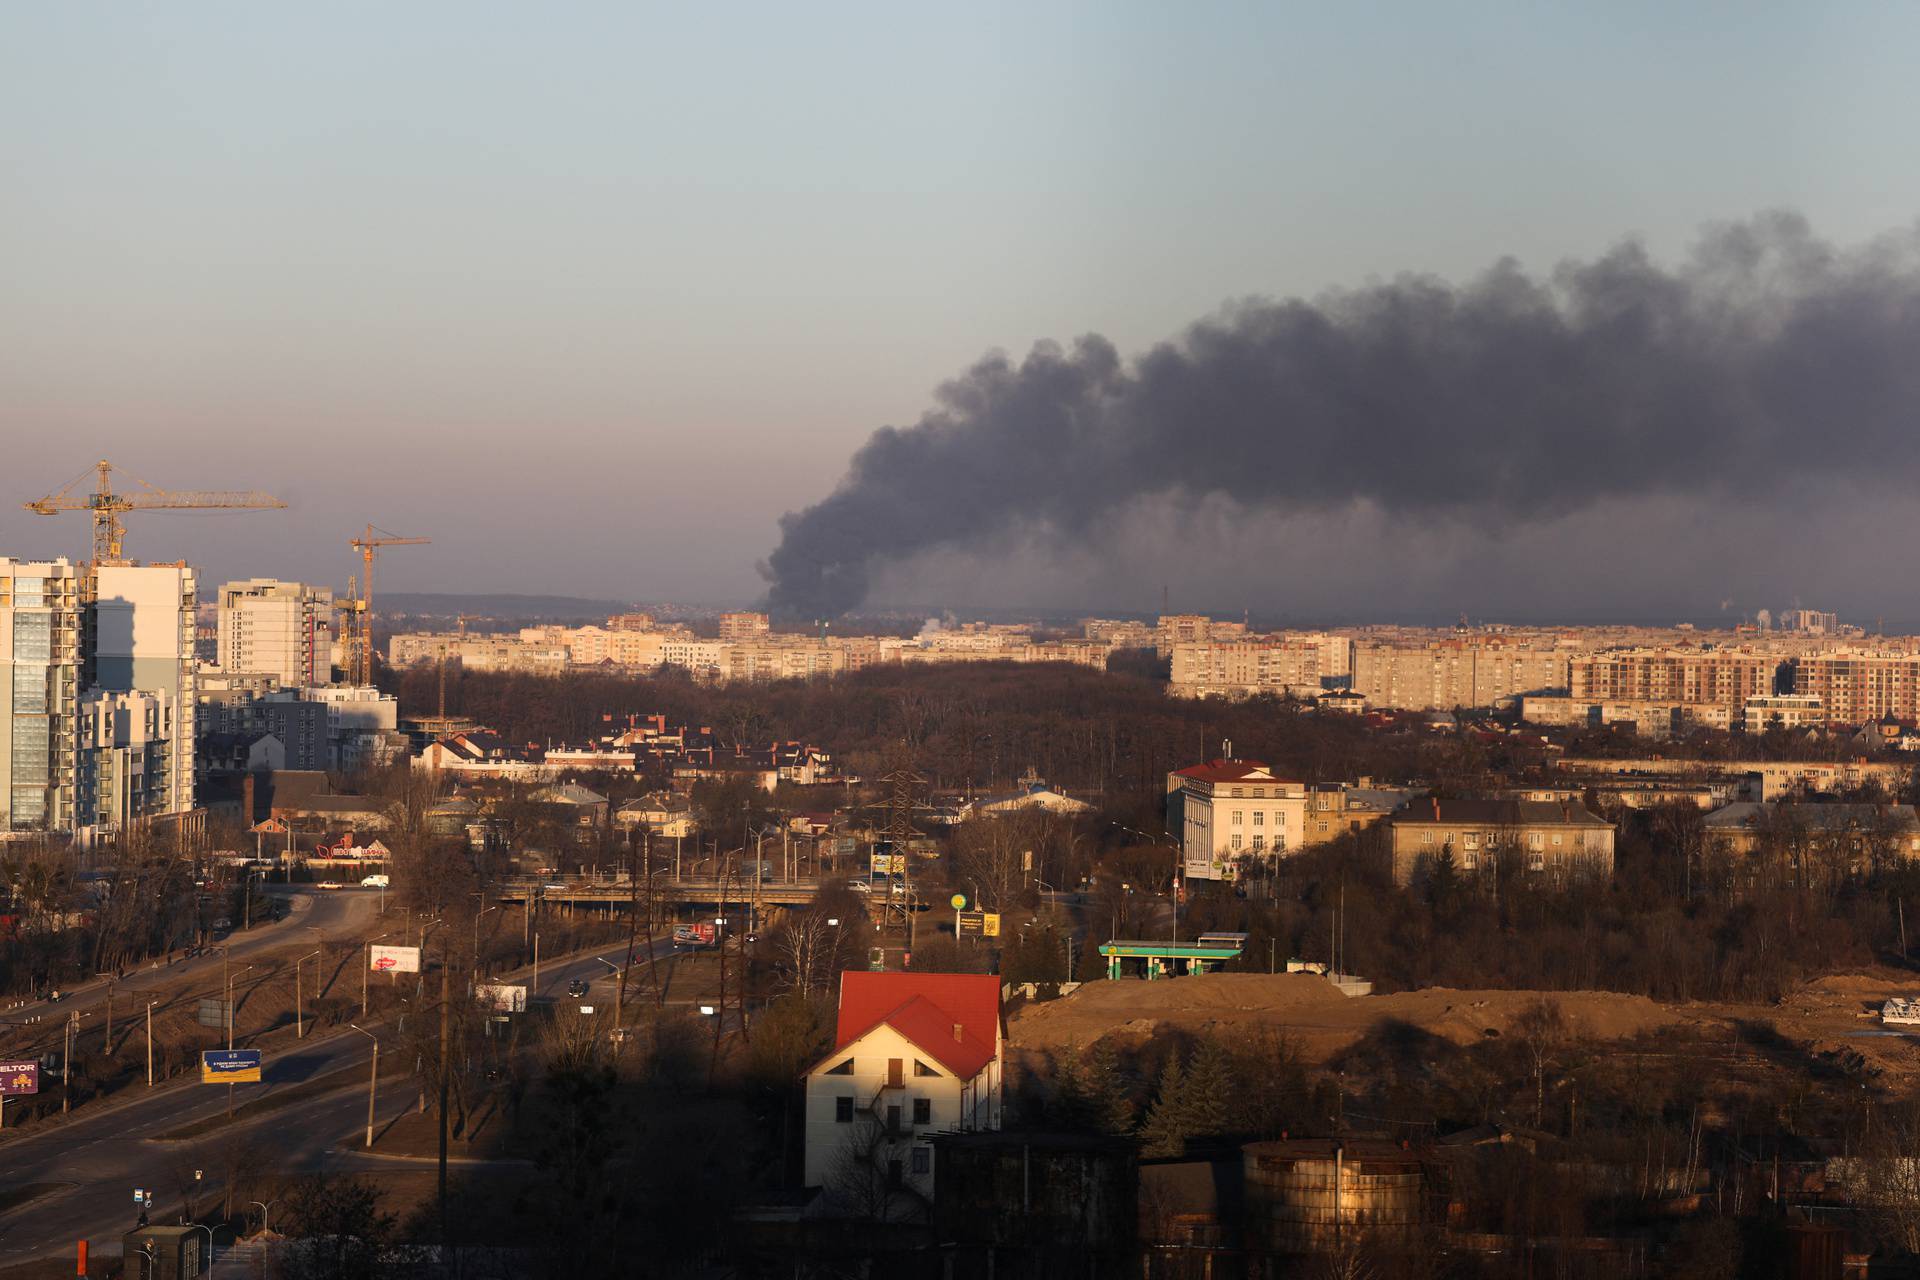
<point>1308,1008</point>
<point>1864,983</point>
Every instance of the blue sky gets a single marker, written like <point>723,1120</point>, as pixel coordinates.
<point>591,293</point>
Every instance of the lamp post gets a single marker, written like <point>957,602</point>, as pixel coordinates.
<point>150,1005</point>
<point>263,1208</point>
<point>373,1078</point>
<point>365,968</point>
<point>66,1055</point>
<point>299,1019</point>
<point>106,1041</point>
<point>619,989</point>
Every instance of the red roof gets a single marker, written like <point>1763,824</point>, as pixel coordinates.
<point>1230,771</point>
<point>926,1008</point>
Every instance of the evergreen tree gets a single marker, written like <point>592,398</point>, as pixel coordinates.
<point>1165,1130</point>
<point>1107,1088</point>
<point>1209,1086</point>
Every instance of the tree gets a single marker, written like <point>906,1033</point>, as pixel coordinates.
<point>343,1233</point>
<point>1168,1124</point>
<point>1542,1029</point>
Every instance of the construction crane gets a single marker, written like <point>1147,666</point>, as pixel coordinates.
<point>108,504</point>
<point>360,608</point>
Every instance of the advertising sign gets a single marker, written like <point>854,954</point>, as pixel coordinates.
<point>394,959</point>
<point>230,1066</point>
<point>889,864</point>
<point>501,998</point>
<point>978,924</point>
<point>17,1078</point>
<point>694,935</point>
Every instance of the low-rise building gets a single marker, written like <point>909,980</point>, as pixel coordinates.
<point>1858,833</point>
<point>1338,808</point>
<point>1230,812</point>
<point>914,1054</point>
<point>1557,838</point>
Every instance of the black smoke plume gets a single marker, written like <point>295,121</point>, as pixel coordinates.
<point>1766,357</point>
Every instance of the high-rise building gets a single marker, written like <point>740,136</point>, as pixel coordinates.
<point>130,759</point>
<point>735,627</point>
<point>39,692</point>
<point>140,637</point>
<point>282,629</point>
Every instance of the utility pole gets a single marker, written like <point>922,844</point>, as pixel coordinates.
<point>150,1005</point>
<point>65,1057</point>
<point>373,1079</point>
<point>446,1038</point>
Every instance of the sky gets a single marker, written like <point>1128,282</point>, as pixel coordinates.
<point>591,294</point>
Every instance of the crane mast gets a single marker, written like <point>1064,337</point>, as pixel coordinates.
<point>360,608</point>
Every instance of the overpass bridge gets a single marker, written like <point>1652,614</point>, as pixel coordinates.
<point>612,893</point>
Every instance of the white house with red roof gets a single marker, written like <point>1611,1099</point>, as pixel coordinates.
<point>914,1054</point>
<point>1233,811</point>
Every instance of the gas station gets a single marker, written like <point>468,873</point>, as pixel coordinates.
<point>1171,959</point>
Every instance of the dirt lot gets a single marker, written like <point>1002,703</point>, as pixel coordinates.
<point>1828,1016</point>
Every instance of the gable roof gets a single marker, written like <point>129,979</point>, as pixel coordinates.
<point>1508,813</point>
<point>925,1008</point>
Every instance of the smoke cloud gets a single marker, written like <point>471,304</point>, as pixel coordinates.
<point>1767,359</point>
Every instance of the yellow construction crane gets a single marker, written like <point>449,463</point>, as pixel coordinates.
<point>108,504</point>
<point>360,608</point>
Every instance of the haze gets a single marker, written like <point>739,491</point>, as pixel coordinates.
<point>592,295</point>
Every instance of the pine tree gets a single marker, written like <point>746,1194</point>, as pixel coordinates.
<point>1072,1105</point>
<point>1166,1128</point>
<point>1209,1087</point>
<point>1107,1090</point>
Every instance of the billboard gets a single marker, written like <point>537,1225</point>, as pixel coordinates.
<point>694,935</point>
<point>394,959</point>
<point>889,864</point>
<point>230,1066</point>
<point>18,1078</point>
<point>501,998</point>
<point>978,924</point>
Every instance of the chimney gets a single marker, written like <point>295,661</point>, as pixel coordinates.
<point>1436,808</point>
<point>958,1033</point>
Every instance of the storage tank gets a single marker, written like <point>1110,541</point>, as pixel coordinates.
<point>1311,1195</point>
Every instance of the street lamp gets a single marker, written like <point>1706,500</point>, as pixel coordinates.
<point>365,968</point>
<point>619,989</point>
<point>150,1005</point>
<point>373,1078</point>
<point>299,1021</point>
<point>263,1208</point>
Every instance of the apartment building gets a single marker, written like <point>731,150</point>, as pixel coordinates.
<point>40,680</point>
<point>1862,831</point>
<point>1856,687</point>
<point>736,627</point>
<point>1243,668</point>
<point>1443,674</point>
<point>1680,675</point>
<point>284,629</point>
<point>1761,779</point>
<point>1231,811</point>
<point>1544,837</point>
<point>130,758</point>
<point>141,640</point>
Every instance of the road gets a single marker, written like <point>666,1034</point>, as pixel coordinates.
<point>108,1150</point>
<point>337,914</point>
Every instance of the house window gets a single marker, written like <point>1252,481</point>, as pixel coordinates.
<point>1473,841</point>
<point>1556,842</point>
<point>1472,861</point>
<point>843,1110</point>
<point>1536,862</point>
<point>922,1069</point>
<point>1536,841</point>
<point>1239,817</point>
<point>922,1162</point>
<point>1259,843</point>
<point>1259,817</point>
<point>923,1110</point>
<point>1426,837</point>
<point>1236,841</point>
<point>844,1069</point>
<point>1234,792</point>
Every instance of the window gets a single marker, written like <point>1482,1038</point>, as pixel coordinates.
<point>1259,843</point>
<point>1472,861</point>
<point>922,1069</point>
<point>1426,837</point>
<point>843,1110</point>
<point>922,1161</point>
<point>1556,842</point>
<point>844,1069</point>
<point>1234,791</point>
<point>1536,862</point>
<point>1473,841</point>
<point>1536,841</point>
<point>1236,842</point>
<point>923,1110</point>
<point>1259,817</point>
<point>1239,817</point>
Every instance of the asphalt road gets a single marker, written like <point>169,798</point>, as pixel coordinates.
<point>108,1150</point>
<point>337,914</point>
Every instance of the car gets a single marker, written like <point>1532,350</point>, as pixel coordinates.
<point>375,881</point>
<point>328,884</point>
<point>860,886</point>
<point>578,987</point>
<point>55,996</point>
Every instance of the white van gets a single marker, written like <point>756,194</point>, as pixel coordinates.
<point>376,881</point>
